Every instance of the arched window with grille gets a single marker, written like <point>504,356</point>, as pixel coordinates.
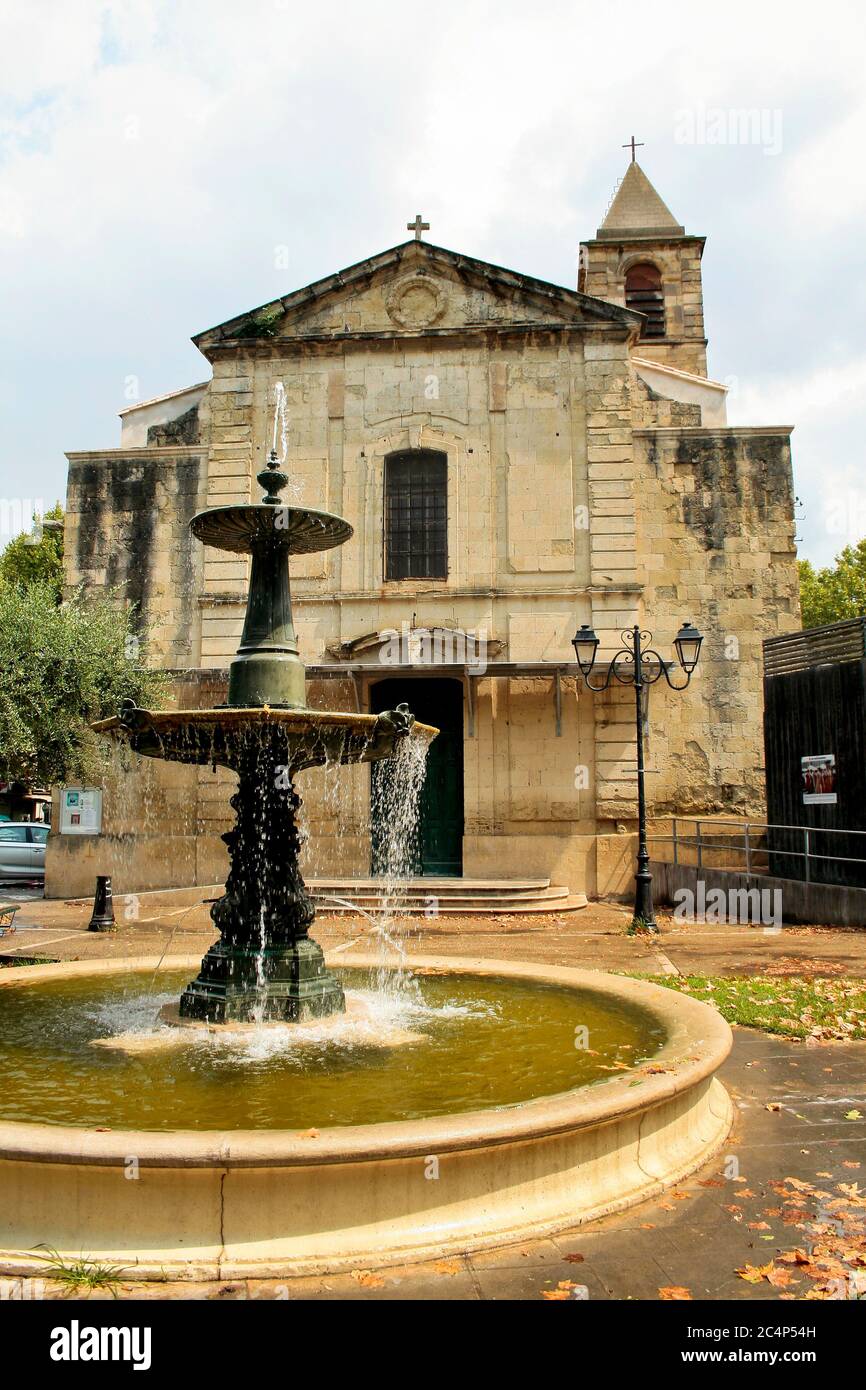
<point>644,292</point>
<point>416,515</point>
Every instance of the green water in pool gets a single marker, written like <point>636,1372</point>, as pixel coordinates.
<point>481,1042</point>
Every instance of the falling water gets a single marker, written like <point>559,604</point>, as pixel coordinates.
<point>395,806</point>
<point>396,809</point>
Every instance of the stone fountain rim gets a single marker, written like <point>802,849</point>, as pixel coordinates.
<point>259,714</point>
<point>698,1041</point>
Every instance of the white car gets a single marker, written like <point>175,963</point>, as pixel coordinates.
<point>22,849</point>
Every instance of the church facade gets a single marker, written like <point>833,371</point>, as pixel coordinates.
<point>516,458</point>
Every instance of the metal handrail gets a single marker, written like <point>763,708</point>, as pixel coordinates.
<point>749,848</point>
<point>764,825</point>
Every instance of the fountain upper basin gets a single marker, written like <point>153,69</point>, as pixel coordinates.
<point>295,530</point>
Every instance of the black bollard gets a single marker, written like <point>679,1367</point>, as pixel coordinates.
<point>103,906</point>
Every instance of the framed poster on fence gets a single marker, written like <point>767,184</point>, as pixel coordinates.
<point>818,777</point>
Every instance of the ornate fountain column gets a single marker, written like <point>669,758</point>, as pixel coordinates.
<point>265,966</point>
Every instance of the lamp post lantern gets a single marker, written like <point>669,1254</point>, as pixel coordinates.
<point>637,664</point>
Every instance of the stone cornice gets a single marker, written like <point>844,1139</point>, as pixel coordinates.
<point>663,236</point>
<point>311,342</point>
<point>375,595</point>
<point>716,431</point>
<point>144,451</point>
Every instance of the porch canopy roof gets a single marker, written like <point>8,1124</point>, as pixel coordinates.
<point>502,670</point>
<point>441,668</point>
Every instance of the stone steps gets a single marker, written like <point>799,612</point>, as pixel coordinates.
<point>454,896</point>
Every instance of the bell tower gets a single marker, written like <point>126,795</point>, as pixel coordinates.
<point>643,259</point>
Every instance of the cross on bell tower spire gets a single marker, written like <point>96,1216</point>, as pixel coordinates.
<point>633,144</point>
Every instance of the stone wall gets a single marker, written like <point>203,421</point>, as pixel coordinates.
<point>127,528</point>
<point>716,535</point>
<point>510,423</point>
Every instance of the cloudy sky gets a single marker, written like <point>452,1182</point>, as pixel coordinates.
<point>162,161</point>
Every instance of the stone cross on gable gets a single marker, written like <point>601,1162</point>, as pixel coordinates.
<point>417,226</point>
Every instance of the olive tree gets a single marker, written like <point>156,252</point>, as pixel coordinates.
<point>64,665</point>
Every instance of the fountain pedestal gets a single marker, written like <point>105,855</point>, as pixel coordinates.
<point>265,966</point>
<point>288,984</point>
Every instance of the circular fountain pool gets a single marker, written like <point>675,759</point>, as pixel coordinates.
<point>486,1102</point>
<point>437,1045</point>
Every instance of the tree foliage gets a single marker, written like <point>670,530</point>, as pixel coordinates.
<point>62,666</point>
<point>837,592</point>
<point>31,558</point>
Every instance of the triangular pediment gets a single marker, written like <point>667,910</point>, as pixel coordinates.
<point>413,289</point>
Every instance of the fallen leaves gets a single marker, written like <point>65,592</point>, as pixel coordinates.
<point>794,1257</point>
<point>796,1216</point>
<point>753,1274</point>
<point>675,1293</point>
<point>835,1260</point>
<point>756,1274</point>
<point>561,1293</point>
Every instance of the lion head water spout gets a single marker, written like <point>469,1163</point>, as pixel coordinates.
<point>265,966</point>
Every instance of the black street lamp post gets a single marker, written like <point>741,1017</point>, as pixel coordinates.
<point>637,664</point>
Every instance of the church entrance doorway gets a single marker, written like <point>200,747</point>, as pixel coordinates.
<point>440,839</point>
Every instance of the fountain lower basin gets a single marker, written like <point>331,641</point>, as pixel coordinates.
<point>271,1202</point>
<point>301,738</point>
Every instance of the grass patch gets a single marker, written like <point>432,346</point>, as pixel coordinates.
<point>80,1273</point>
<point>7,962</point>
<point>790,1006</point>
<point>638,926</point>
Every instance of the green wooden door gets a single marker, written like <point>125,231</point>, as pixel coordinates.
<point>440,838</point>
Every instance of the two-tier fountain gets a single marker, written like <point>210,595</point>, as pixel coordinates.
<point>267,1150</point>
<point>265,965</point>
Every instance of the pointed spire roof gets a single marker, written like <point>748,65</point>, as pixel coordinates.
<point>638,211</point>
